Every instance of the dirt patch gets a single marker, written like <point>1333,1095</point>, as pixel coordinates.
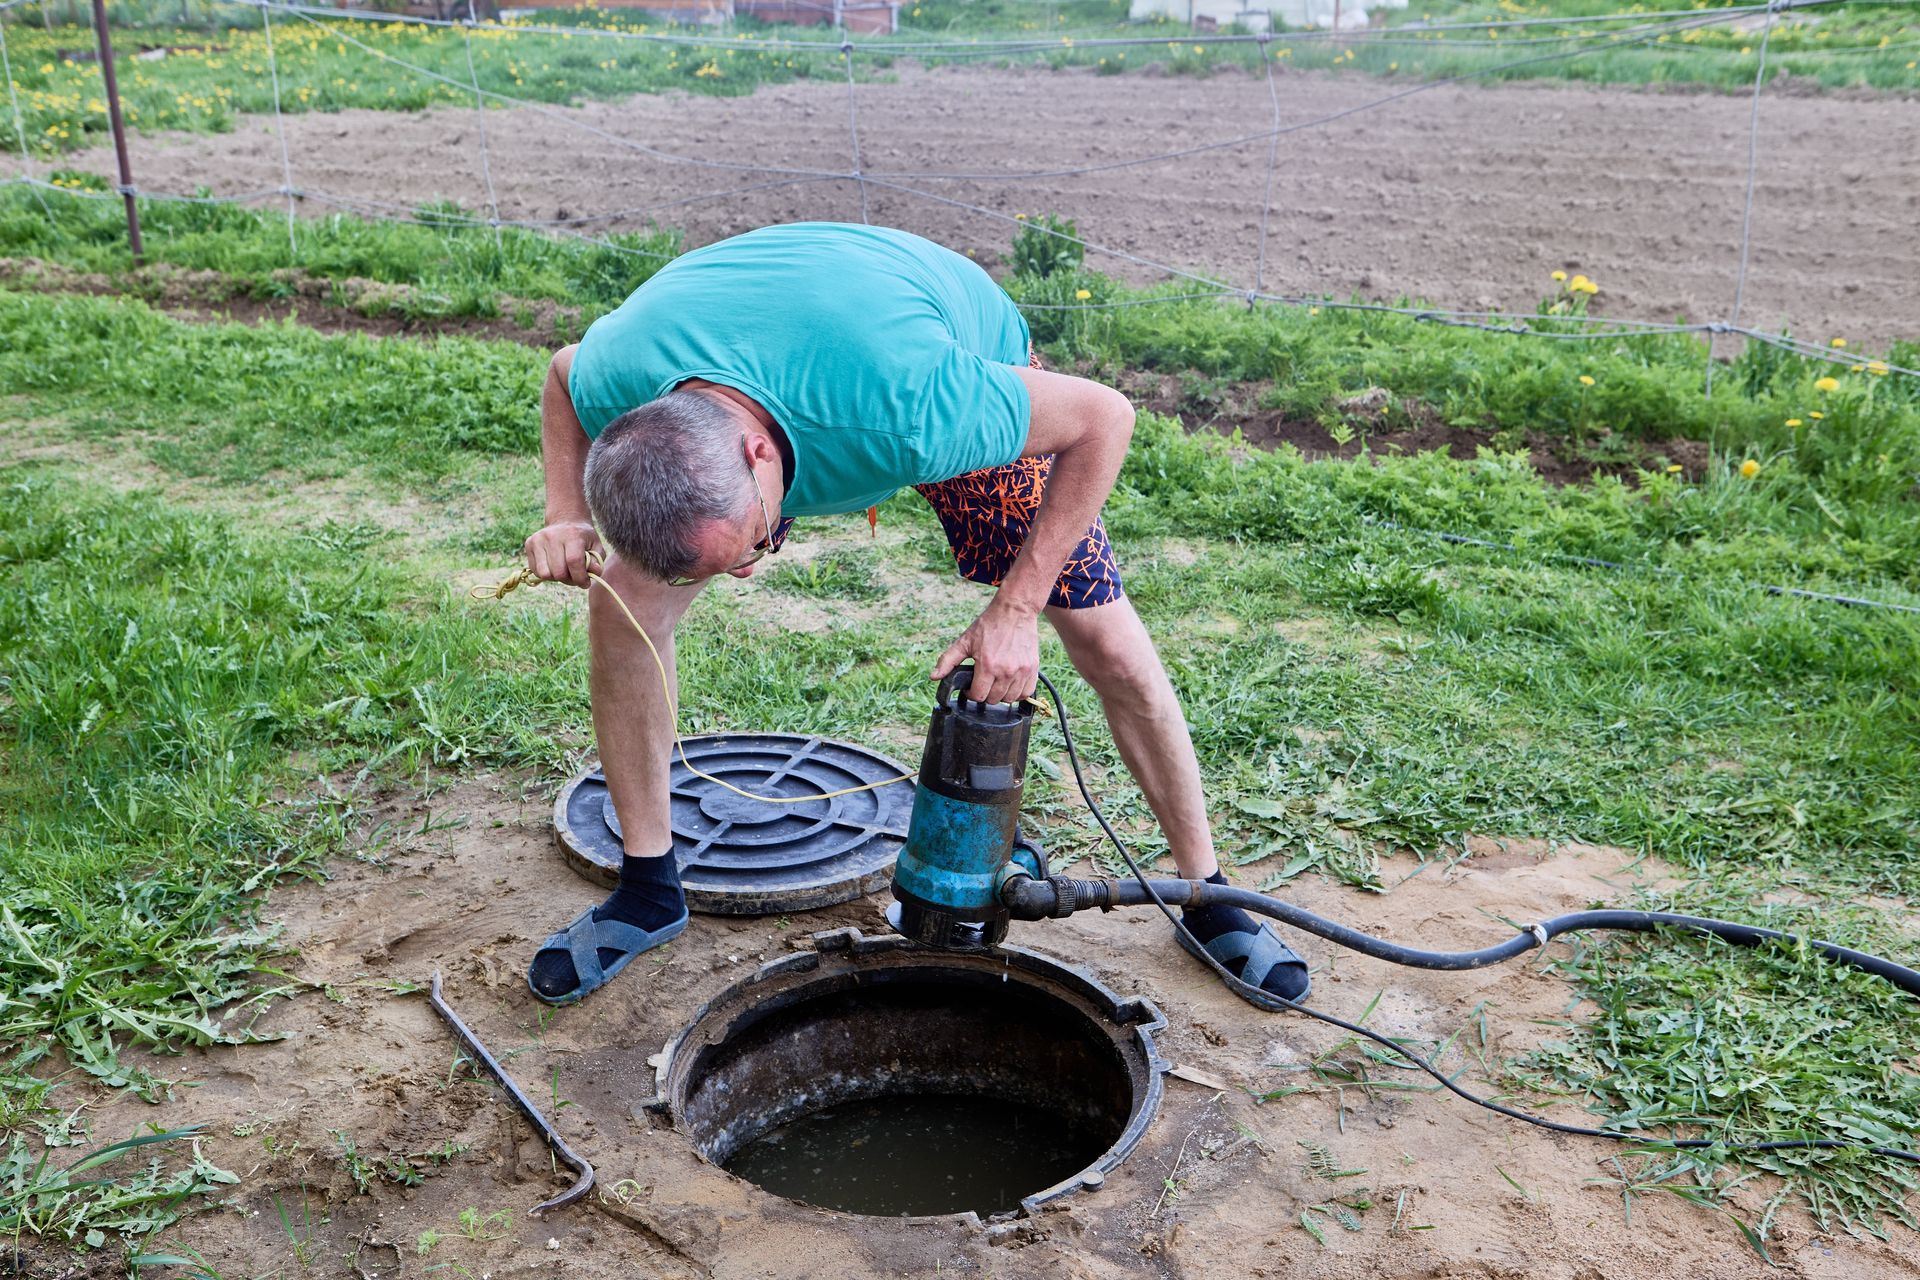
<point>1466,195</point>
<point>1216,1188</point>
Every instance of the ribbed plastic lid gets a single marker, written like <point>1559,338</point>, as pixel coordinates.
<point>747,856</point>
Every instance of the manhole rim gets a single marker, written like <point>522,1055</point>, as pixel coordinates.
<point>1139,1016</point>
<point>574,851</point>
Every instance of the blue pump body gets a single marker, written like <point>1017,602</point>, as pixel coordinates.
<point>966,809</point>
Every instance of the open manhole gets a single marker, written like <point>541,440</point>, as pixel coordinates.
<point>877,1077</point>
<point>743,856</point>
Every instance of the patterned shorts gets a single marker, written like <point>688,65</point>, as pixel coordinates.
<point>987,514</point>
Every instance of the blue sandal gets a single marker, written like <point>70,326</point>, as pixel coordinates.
<point>1263,952</point>
<point>584,938</point>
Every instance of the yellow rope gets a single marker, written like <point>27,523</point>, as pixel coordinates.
<point>527,578</point>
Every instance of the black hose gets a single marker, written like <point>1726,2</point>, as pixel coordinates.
<point>1036,899</point>
<point>1539,935</point>
<point>1042,899</point>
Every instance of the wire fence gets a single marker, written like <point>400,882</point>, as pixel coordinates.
<point>1642,28</point>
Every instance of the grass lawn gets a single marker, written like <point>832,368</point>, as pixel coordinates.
<point>210,660</point>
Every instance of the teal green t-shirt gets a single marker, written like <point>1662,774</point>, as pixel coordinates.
<point>886,359</point>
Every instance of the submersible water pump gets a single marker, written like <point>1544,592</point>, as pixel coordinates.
<point>963,839</point>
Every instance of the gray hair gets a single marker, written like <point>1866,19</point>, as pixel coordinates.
<point>659,472</point>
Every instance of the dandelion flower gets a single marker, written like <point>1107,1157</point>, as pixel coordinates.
<point>1559,275</point>
<point>1816,415</point>
<point>1586,380</point>
<point>1793,422</point>
<point>1838,343</point>
<point>1313,311</point>
<point>1083,294</point>
<point>1827,384</point>
<point>1878,368</point>
<point>1749,469</point>
<point>1675,469</point>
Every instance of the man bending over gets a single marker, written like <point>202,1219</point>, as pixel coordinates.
<point>816,368</point>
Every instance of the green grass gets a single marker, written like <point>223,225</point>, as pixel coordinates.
<point>1838,473</point>
<point>221,68</point>
<point>195,701</point>
<point>443,265</point>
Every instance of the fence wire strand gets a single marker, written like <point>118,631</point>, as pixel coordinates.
<point>280,131</point>
<point>853,129</point>
<point>1273,163</point>
<point>19,126</point>
<point>1746,211</point>
<point>480,122</point>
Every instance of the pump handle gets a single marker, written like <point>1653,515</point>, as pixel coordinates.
<point>954,683</point>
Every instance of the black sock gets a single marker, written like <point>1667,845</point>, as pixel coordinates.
<point>648,897</point>
<point>1207,923</point>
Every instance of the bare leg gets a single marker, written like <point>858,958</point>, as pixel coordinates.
<point>1110,648</point>
<point>632,717</point>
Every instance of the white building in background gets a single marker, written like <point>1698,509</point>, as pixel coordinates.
<point>1255,15</point>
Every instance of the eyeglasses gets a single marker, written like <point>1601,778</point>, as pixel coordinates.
<point>766,523</point>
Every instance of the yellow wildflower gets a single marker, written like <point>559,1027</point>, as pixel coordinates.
<point>1586,380</point>
<point>1749,469</point>
<point>1793,422</point>
<point>1838,343</point>
<point>1559,276</point>
<point>1083,294</point>
<point>1816,415</point>
<point>1878,368</point>
<point>1675,469</point>
<point>1827,384</point>
<point>1313,311</point>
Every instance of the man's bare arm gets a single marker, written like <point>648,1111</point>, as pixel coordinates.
<point>558,553</point>
<point>1086,426</point>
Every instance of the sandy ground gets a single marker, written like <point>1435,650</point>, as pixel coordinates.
<point>364,1058</point>
<point>1467,196</point>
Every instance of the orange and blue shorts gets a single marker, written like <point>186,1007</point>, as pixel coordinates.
<point>986,515</point>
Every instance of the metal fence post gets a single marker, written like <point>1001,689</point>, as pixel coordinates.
<point>119,129</point>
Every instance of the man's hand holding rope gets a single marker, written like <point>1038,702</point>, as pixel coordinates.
<point>560,552</point>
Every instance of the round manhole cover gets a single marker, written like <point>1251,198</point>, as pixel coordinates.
<point>742,856</point>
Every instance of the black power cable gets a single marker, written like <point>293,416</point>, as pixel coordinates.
<point>1907,979</point>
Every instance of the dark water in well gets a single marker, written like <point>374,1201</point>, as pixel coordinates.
<point>917,1155</point>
